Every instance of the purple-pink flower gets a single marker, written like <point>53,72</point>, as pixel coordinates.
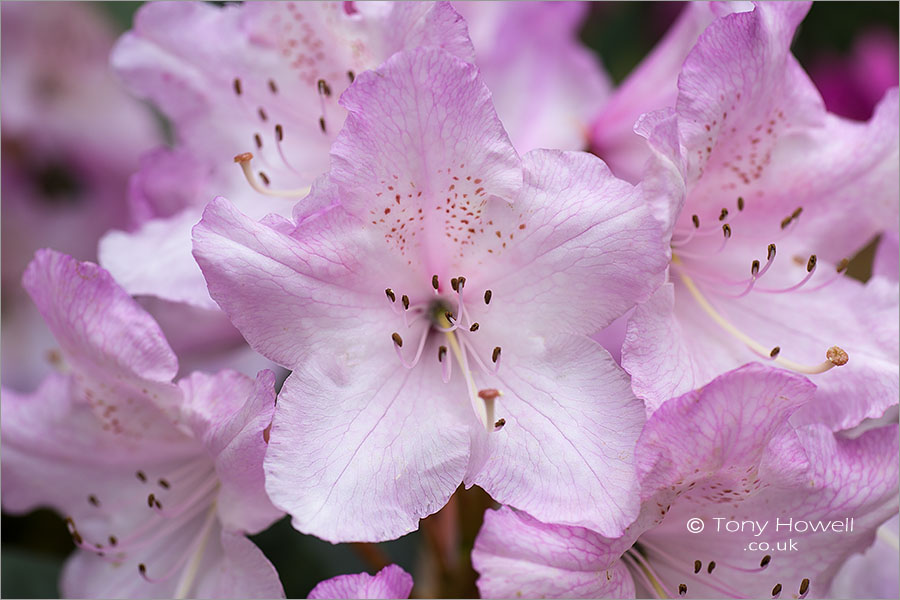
<point>736,502</point>
<point>159,481</point>
<point>437,288</point>
<point>389,582</point>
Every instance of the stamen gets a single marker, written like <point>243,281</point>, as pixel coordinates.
<point>696,220</point>
<point>477,404</point>
<point>435,282</point>
<point>244,160</point>
<point>724,214</point>
<point>711,567</point>
<point>775,351</point>
<point>390,294</point>
<point>488,396</point>
<point>840,269</point>
<point>237,86</point>
<point>495,356</point>
<point>776,591</point>
<point>405,300</point>
<point>747,340</point>
<point>397,339</point>
<point>804,587</point>
<point>499,424</point>
<point>726,230</point>
<point>697,566</point>
<point>487,296</point>
<point>740,203</point>
<point>810,271</point>
<point>653,585</point>
<point>474,327</point>
<point>682,589</point>
<point>419,349</point>
<point>140,475</point>
<point>351,76</point>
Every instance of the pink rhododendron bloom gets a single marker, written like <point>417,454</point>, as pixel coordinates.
<point>874,573</point>
<point>776,193</point>
<point>546,85</point>
<point>723,454</point>
<point>853,86</point>
<point>390,582</point>
<point>70,138</point>
<point>159,481</point>
<point>435,310</point>
<point>265,78</point>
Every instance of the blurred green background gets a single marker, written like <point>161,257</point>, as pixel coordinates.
<point>35,546</point>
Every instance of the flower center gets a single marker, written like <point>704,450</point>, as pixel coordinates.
<point>692,260</point>
<point>449,315</point>
<point>182,500</point>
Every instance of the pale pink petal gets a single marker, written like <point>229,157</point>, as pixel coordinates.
<point>535,47</point>
<point>228,412</point>
<point>565,453</point>
<point>242,572</point>
<point>362,448</point>
<point>887,257</point>
<point>518,556</point>
<point>390,582</point>
<point>873,573</point>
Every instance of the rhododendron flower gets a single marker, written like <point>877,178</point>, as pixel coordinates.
<point>546,85</point>
<point>70,138</point>
<point>389,582</point>
<point>159,481</point>
<point>872,574</point>
<point>435,310</point>
<point>725,453</point>
<point>777,193</point>
<point>266,79</point>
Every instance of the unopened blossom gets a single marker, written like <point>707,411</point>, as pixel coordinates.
<point>262,78</point>
<point>390,582</point>
<point>545,83</point>
<point>713,458</point>
<point>70,138</point>
<point>434,312</point>
<point>158,481</point>
<point>775,195</point>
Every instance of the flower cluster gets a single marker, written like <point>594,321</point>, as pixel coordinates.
<point>376,264</point>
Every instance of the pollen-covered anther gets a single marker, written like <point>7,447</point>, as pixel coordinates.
<point>495,355</point>
<point>837,356</point>
<point>775,351</point>
<point>804,586</point>
<point>776,591</point>
<point>390,294</point>
<point>697,566</point>
<point>442,352</point>
<point>711,567</point>
<point>474,327</point>
<point>696,221</point>
<point>724,214</point>
<point>682,589</point>
<point>842,266</point>
<point>397,339</point>
<point>435,282</point>
<point>740,203</point>
<point>726,230</point>
<point>142,568</point>
<point>454,283</point>
<point>487,296</point>
<point>765,561</point>
<point>754,268</point>
<point>244,160</point>
<point>405,300</point>
<point>771,252</point>
<point>324,88</point>
<point>811,263</point>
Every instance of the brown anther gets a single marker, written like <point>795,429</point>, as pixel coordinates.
<point>442,352</point>
<point>142,568</point>
<point>243,157</point>
<point>489,394</point>
<point>279,132</point>
<point>811,263</point>
<point>711,567</point>
<point>496,354</point>
<point>151,500</point>
<point>454,283</point>
<point>435,282</point>
<point>837,356</point>
<point>487,296</point>
<point>257,139</point>
<point>775,351</point>
<point>449,316</point>
<point>842,266</point>
<point>141,476</point>
<point>351,76</point>
<point>237,86</point>
<point>796,212</point>
<point>397,339</point>
<point>776,590</point>
<point>765,561</point>
<point>696,220</point>
<point>322,124</point>
<point>771,253</point>
<point>93,500</point>
<point>697,566</point>
<point>323,88</point>
<point>682,589</point>
<point>272,87</point>
<point>724,214</point>
<point>113,540</point>
<point>405,300</point>
<point>264,177</point>
<point>474,327</point>
<point>754,268</point>
<point>499,423</point>
<point>726,230</point>
<point>462,282</point>
<point>804,586</point>
<point>785,222</point>
<point>164,484</point>
<point>390,294</point>
<point>740,203</point>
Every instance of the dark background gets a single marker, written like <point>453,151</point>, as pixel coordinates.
<point>35,546</point>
